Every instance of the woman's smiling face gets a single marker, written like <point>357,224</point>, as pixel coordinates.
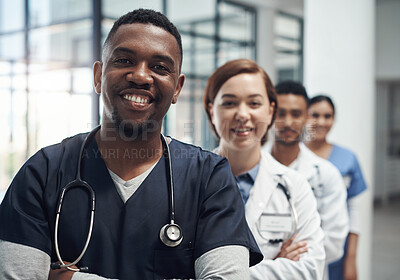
<point>241,111</point>
<point>321,118</point>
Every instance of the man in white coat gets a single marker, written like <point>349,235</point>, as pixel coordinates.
<point>324,178</point>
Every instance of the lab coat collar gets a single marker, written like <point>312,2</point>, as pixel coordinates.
<point>264,185</point>
<point>305,162</point>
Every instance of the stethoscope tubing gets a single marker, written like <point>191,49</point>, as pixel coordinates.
<point>285,189</point>
<point>68,266</point>
<point>78,182</point>
<point>171,184</point>
<point>283,186</point>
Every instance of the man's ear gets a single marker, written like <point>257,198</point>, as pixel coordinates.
<point>181,81</point>
<point>97,75</point>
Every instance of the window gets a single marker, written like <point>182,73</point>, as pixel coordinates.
<point>213,32</point>
<point>289,47</point>
<point>45,77</point>
<point>46,91</point>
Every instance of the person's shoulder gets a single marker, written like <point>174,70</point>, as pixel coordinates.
<point>275,168</point>
<point>342,152</point>
<point>325,166</point>
<point>272,165</point>
<point>314,157</point>
<point>72,142</point>
<point>186,151</point>
<point>47,159</point>
<point>341,149</point>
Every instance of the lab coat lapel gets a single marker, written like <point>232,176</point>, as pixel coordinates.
<point>263,188</point>
<point>303,164</point>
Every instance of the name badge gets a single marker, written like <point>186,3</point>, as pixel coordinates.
<point>276,222</point>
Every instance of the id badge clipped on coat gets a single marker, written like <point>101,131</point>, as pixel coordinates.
<point>273,222</point>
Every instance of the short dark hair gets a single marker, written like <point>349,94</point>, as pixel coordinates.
<point>319,98</point>
<point>146,16</point>
<point>292,87</point>
<point>227,71</point>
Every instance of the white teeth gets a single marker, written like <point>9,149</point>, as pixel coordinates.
<point>242,129</point>
<point>136,99</point>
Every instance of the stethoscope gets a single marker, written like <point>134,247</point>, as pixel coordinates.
<point>316,186</point>
<point>170,234</point>
<point>282,185</point>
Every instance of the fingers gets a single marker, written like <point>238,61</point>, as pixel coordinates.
<point>288,242</point>
<point>294,251</point>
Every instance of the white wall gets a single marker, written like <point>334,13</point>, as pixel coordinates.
<point>388,39</point>
<point>265,38</point>
<point>339,60</point>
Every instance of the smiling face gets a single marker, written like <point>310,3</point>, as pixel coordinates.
<point>291,116</point>
<point>241,112</point>
<point>321,118</point>
<point>139,78</point>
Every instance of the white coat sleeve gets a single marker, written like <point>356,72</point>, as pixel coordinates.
<point>333,212</point>
<point>23,262</point>
<point>311,264</point>
<point>353,205</point>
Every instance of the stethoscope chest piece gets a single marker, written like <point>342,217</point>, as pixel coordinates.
<point>171,235</point>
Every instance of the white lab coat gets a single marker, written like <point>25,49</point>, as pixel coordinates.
<point>265,197</point>
<point>330,192</point>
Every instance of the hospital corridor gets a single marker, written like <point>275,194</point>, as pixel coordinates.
<point>385,241</point>
<point>53,86</point>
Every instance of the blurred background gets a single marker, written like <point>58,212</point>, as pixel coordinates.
<point>349,50</point>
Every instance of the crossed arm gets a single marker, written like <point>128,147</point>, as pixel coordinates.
<point>23,262</point>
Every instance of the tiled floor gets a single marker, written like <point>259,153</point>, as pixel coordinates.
<point>386,241</point>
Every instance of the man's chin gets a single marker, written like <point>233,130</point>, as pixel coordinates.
<point>287,141</point>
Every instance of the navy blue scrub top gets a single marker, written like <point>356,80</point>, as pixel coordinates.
<point>125,242</point>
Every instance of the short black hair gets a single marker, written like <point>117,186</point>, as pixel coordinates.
<point>292,87</point>
<point>321,97</point>
<point>146,16</point>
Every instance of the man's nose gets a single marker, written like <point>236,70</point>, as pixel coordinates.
<point>140,74</point>
<point>288,120</point>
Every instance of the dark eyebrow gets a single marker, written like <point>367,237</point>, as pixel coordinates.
<point>255,95</point>
<point>122,49</point>
<point>166,58</point>
<point>228,95</point>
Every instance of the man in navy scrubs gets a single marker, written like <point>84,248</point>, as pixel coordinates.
<point>126,164</point>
